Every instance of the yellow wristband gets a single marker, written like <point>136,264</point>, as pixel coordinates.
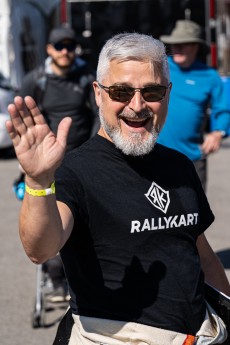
<point>41,192</point>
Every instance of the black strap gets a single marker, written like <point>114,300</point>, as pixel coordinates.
<point>64,329</point>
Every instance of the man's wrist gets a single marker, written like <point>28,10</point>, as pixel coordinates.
<point>38,183</point>
<point>222,133</point>
<point>41,192</point>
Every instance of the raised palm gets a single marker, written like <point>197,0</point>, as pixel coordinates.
<point>38,150</point>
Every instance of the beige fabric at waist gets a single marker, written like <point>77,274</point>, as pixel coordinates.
<point>95,331</point>
<point>89,331</point>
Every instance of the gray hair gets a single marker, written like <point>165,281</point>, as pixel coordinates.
<point>133,46</point>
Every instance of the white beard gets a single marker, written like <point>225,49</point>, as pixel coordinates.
<point>134,145</point>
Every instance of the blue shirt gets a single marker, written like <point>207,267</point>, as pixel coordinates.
<point>193,90</point>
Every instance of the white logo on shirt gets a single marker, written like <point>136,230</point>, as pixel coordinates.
<point>161,223</point>
<point>158,197</point>
<point>190,82</point>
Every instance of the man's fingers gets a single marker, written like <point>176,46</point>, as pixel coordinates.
<point>16,118</point>
<point>12,133</point>
<point>211,144</point>
<point>63,130</point>
<point>31,105</point>
<point>24,112</point>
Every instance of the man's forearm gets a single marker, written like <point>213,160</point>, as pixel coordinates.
<point>215,275</point>
<point>212,266</point>
<point>40,227</point>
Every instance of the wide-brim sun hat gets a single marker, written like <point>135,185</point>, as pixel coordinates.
<point>185,31</point>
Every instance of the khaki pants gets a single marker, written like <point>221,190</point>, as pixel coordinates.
<point>92,331</point>
<point>95,331</point>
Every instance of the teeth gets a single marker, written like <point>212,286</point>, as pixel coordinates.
<point>134,120</point>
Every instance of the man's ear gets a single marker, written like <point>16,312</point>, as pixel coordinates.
<point>97,92</point>
<point>48,48</point>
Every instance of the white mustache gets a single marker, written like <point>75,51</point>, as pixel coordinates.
<point>132,115</point>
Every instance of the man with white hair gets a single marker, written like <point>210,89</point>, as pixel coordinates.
<point>127,215</point>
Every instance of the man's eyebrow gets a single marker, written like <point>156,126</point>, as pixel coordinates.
<point>130,85</point>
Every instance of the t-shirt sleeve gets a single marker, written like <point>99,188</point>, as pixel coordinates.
<point>68,189</point>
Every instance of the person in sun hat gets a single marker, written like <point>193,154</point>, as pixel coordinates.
<point>197,97</point>
<point>127,214</point>
<point>63,86</point>
<point>187,31</point>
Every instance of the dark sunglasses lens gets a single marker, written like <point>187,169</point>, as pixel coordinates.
<point>69,46</point>
<point>153,93</point>
<point>120,93</point>
<point>124,94</point>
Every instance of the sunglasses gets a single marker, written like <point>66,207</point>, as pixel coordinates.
<point>69,46</point>
<point>121,93</point>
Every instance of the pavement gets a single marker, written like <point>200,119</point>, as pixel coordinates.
<point>218,193</point>
<point>18,274</point>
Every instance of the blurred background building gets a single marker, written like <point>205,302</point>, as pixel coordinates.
<point>25,25</point>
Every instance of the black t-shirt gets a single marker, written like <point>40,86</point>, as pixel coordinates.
<point>132,253</point>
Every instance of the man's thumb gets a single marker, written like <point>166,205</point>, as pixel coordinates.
<point>63,130</point>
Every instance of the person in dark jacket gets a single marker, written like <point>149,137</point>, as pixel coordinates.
<point>61,87</point>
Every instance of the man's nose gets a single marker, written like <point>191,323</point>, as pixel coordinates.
<point>137,102</point>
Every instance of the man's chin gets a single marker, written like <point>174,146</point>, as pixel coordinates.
<point>135,145</point>
<point>64,64</point>
<point>131,144</point>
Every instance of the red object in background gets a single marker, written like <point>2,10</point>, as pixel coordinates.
<point>212,8</point>
<point>213,43</point>
<point>63,11</point>
<point>213,55</point>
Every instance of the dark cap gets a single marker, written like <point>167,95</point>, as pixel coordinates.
<point>62,33</point>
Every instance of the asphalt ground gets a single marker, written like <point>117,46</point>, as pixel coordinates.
<point>18,274</point>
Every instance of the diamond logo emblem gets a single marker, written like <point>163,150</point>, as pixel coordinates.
<point>158,197</point>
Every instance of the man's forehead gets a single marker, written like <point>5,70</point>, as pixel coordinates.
<point>134,69</point>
